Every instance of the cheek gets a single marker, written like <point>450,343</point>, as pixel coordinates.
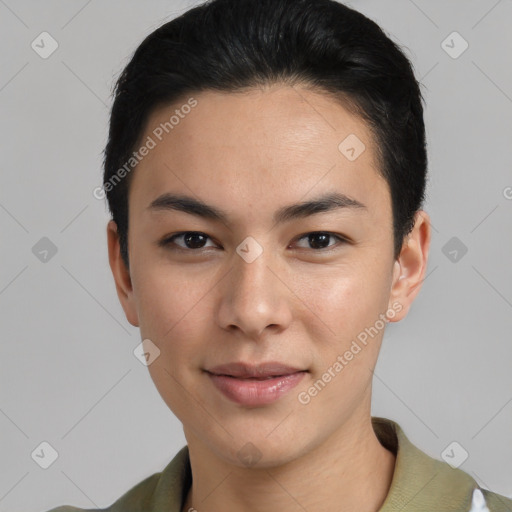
<point>345,297</point>
<point>349,303</point>
<point>168,304</point>
<point>170,312</point>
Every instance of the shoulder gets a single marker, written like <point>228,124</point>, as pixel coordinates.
<point>163,490</point>
<point>427,482</point>
<point>136,499</point>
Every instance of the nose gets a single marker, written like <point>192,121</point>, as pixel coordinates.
<point>255,297</point>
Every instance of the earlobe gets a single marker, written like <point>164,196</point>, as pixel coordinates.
<point>121,275</point>
<point>410,267</point>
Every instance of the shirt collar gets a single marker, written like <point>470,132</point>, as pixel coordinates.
<point>421,483</point>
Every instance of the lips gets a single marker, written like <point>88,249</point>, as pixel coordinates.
<point>261,371</point>
<point>255,386</point>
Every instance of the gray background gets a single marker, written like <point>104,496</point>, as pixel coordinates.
<point>67,369</point>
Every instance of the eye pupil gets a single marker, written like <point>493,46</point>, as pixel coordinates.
<point>323,238</point>
<point>191,240</point>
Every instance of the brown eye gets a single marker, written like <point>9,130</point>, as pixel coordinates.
<point>319,240</point>
<point>190,240</point>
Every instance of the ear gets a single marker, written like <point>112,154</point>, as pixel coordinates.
<point>410,267</point>
<point>121,275</point>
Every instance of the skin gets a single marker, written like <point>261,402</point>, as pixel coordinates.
<point>250,154</point>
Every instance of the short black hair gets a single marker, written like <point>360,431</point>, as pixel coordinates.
<point>231,45</point>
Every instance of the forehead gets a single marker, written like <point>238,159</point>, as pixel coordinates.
<point>259,146</point>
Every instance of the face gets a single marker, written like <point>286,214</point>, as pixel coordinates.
<point>250,279</point>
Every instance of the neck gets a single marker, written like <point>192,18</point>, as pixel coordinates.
<point>350,471</point>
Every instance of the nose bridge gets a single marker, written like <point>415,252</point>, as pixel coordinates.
<point>253,278</point>
<point>253,297</point>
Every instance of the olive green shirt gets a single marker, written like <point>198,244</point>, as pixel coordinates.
<point>420,483</point>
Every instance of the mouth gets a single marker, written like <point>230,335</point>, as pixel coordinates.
<point>255,385</point>
<point>252,378</point>
<point>263,371</point>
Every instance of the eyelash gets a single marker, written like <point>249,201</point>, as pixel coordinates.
<point>166,242</point>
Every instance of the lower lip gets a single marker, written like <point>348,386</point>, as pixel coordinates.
<point>256,392</point>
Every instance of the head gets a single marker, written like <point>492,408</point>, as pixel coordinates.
<point>274,165</point>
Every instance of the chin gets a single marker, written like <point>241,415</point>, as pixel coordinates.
<point>258,451</point>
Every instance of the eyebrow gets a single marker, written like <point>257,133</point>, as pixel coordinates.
<point>326,203</point>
